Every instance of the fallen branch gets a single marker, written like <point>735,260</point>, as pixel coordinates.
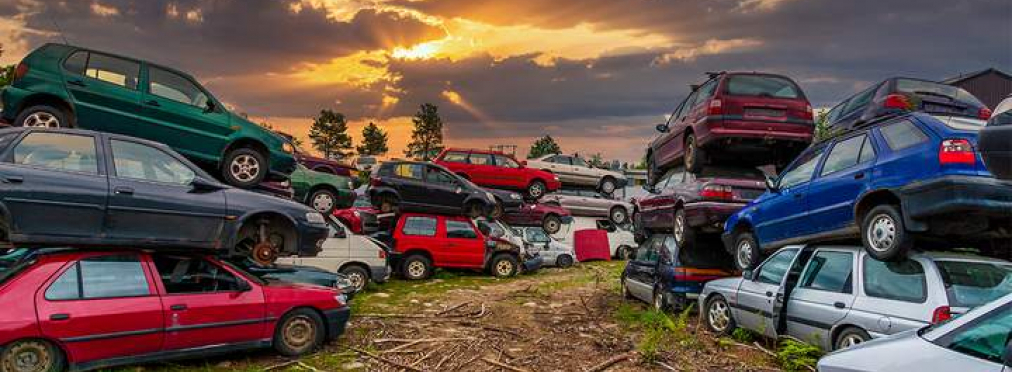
<point>281,365</point>
<point>666,366</point>
<point>503,365</point>
<point>384,360</point>
<point>462,304</point>
<point>393,316</point>
<point>765,350</point>
<point>610,362</point>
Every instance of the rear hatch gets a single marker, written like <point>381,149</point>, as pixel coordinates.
<point>971,283</point>
<point>966,128</point>
<point>936,98</point>
<point>744,183</point>
<point>765,99</point>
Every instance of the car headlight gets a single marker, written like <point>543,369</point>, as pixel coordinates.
<point>555,177</point>
<point>351,185</point>
<point>286,183</point>
<point>287,147</point>
<point>341,298</point>
<point>315,217</point>
<point>515,196</point>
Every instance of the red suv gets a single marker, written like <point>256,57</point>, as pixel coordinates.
<point>498,170</point>
<point>85,310</point>
<point>757,117</point>
<point>423,242</point>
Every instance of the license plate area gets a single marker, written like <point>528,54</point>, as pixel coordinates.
<point>764,112</point>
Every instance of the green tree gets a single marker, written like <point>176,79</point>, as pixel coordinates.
<point>330,135</point>
<point>427,137</point>
<point>374,141</point>
<point>544,146</point>
<point>6,75</point>
<point>596,160</point>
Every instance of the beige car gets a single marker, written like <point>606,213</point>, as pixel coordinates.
<point>574,171</point>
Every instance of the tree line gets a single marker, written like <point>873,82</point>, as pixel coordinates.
<point>329,135</point>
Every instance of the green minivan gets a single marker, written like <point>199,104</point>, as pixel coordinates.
<point>60,85</point>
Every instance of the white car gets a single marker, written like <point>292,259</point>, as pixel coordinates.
<point>552,251</point>
<point>359,257</point>
<point>621,241</point>
<point>574,171</point>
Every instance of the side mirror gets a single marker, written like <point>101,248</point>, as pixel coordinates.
<point>748,274</point>
<point>663,128</point>
<point>523,163</point>
<point>210,107</point>
<point>201,184</point>
<point>771,184</point>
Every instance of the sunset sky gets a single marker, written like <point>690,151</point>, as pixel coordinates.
<point>595,74</point>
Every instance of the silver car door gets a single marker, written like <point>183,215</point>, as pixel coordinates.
<point>823,296</point>
<point>755,301</point>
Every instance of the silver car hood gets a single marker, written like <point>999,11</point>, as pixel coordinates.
<point>892,353</point>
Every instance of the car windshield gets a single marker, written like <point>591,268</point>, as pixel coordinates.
<point>732,172</point>
<point>11,263</point>
<point>928,88</point>
<point>701,257</point>
<point>974,283</point>
<point>537,235</point>
<point>761,85</point>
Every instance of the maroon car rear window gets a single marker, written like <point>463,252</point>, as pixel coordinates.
<point>761,85</point>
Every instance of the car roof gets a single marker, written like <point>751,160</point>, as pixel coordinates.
<point>462,149</point>
<point>74,48</point>
<point>82,132</point>
<point>929,255</point>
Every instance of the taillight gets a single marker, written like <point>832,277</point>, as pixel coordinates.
<point>941,314</point>
<point>20,71</point>
<point>956,151</point>
<point>714,108</point>
<point>382,254</point>
<point>375,181</point>
<point>984,113</point>
<point>808,115</point>
<point>896,101</point>
<point>717,192</point>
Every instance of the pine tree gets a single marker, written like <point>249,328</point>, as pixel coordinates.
<point>374,141</point>
<point>427,137</point>
<point>329,135</point>
<point>544,146</point>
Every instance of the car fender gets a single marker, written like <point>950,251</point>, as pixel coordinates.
<point>46,91</point>
<point>233,230</point>
<point>479,198</point>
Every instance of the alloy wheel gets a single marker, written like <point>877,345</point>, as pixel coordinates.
<point>504,268</point>
<point>744,255</point>
<point>416,269</point>
<point>536,190</point>
<point>882,234</point>
<point>850,340</point>
<point>552,225</point>
<point>323,202</point>
<point>42,119</point>
<point>244,168</point>
<point>618,216</point>
<point>357,280</point>
<point>718,315</point>
<point>679,229</point>
<point>608,186</point>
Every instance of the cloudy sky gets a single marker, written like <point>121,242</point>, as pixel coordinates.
<point>595,74</point>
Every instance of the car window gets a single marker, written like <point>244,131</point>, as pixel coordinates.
<point>97,277</point>
<point>700,257</point>
<point>860,100</point>
<point>936,89</point>
<point>579,162</point>
<point>985,338</point>
<point>57,151</point>
<point>901,280</point>
<point>185,274</point>
<point>170,85</point>
<point>971,284</point>
<point>480,159</point>
<point>113,70</point>
<point>409,170</point>
<point>455,157</point>
<point>6,139</point>
<point>460,230</point>
<point>436,175</point>
<point>843,155</point>
<point>77,62</point>
<point>537,235</point>
<point>690,103</point>
<point>559,159</point>
<point>648,252</point>
<point>829,271</point>
<point>419,226</point>
<point>143,162</point>
<point>761,85</point>
<point>835,112</point>
<point>706,91</point>
<point>867,151</point>
<point>732,172</point>
<point>506,161</point>
<point>802,170</point>
<point>775,267</point>
<point>902,134</point>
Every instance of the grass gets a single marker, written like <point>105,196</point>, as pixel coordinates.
<point>794,355</point>
<point>661,331</point>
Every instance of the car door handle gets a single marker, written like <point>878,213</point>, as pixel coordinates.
<point>12,179</point>
<point>178,307</point>
<point>798,195</point>
<point>839,305</point>
<point>59,317</point>
<point>124,190</point>
<point>78,83</point>
<point>152,103</point>
<point>859,175</point>
<point>769,294</point>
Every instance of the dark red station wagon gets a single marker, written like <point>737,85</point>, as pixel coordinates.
<point>753,117</point>
<point>94,309</point>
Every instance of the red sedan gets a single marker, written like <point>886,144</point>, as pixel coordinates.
<point>94,309</point>
<point>549,217</point>
<point>497,170</point>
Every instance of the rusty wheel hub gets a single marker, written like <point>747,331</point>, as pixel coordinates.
<point>264,253</point>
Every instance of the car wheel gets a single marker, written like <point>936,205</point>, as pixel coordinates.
<point>299,332</point>
<point>388,204</point>
<point>684,234</point>
<point>552,224</point>
<point>618,214</point>
<point>536,189</point>
<point>885,238</point>
<point>718,316</point>
<point>33,356</point>
<point>564,261</point>
<point>746,251</point>
<point>42,116</point>
<point>416,267</point>
<point>850,337</point>
<point>651,170</point>
<point>693,154</point>
<point>474,210</point>
<point>497,210</point>
<point>660,303</point>
<point>358,277</point>
<point>323,201</point>
<point>607,185</point>
<point>504,266</point>
<point>244,168</point>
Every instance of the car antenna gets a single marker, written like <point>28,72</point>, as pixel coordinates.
<point>59,30</point>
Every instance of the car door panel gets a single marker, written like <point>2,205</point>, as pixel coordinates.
<point>105,92</point>
<point>194,129</point>
<point>814,310</point>
<point>832,196</point>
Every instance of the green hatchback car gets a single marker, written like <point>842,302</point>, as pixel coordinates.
<point>60,85</point>
<point>321,191</point>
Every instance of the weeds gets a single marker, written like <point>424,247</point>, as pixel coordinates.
<point>743,335</point>
<point>794,355</point>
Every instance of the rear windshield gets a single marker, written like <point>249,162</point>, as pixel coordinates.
<point>699,256</point>
<point>762,85</point>
<point>936,89</point>
<point>731,172</point>
<point>971,284</point>
<point>962,123</point>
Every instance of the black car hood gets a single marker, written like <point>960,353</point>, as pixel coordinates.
<point>241,202</point>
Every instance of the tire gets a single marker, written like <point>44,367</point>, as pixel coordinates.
<point>244,168</point>
<point>660,303</point>
<point>474,209</point>
<point>536,189</point>
<point>552,224</point>
<point>32,355</point>
<point>497,210</point>
<point>694,155</point>
<point>323,201</point>
<point>850,337</point>
<point>504,266</point>
<point>651,170</point>
<point>43,116</point>
<point>684,235</point>
<point>358,276</point>
<point>564,261</point>
<point>299,332</point>
<point>607,185</point>
<point>618,215</point>
<point>416,267</point>
<point>717,316</point>
<point>884,236</point>
<point>388,204</point>
<point>746,251</point>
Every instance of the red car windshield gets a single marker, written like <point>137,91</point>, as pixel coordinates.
<point>761,85</point>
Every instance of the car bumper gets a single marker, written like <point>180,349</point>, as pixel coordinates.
<point>995,144</point>
<point>311,237</point>
<point>337,321</point>
<point>955,195</point>
<point>379,274</point>
<point>734,126</point>
<point>710,215</point>
<point>533,264</point>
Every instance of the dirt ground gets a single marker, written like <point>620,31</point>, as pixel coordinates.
<point>555,320</point>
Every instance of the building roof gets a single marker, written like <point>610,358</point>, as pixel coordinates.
<point>964,77</point>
